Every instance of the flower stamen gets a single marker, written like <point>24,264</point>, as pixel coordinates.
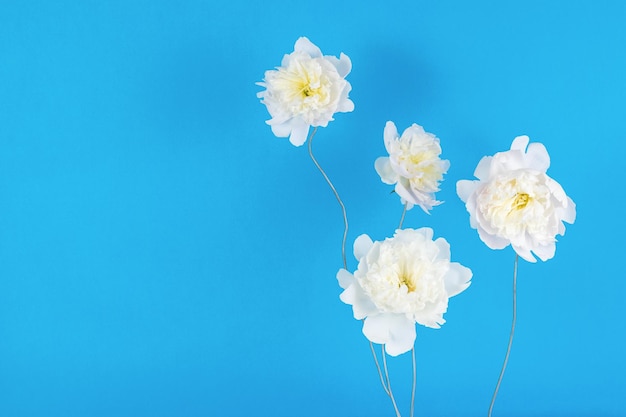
<point>521,200</point>
<point>306,89</point>
<point>407,280</point>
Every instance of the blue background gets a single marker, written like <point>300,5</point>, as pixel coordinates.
<point>162,254</point>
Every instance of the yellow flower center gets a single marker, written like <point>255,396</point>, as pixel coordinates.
<point>306,89</point>
<point>406,279</point>
<point>416,158</point>
<point>520,201</point>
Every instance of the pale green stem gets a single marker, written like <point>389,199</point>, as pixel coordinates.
<point>414,381</point>
<point>393,400</point>
<point>386,387</point>
<point>403,214</point>
<point>345,264</point>
<point>380,373</point>
<point>343,207</point>
<point>406,205</point>
<point>508,349</point>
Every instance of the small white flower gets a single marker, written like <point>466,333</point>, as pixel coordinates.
<point>514,201</point>
<point>306,90</point>
<point>401,281</point>
<point>413,165</point>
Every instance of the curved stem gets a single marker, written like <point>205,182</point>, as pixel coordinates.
<point>508,349</point>
<point>403,214</point>
<point>386,387</point>
<point>380,373</point>
<point>414,381</point>
<point>406,205</point>
<point>393,400</point>
<point>332,187</point>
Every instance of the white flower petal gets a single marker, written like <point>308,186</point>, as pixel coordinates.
<point>427,232</point>
<point>376,329</point>
<point>350,294</point>
<point>405,236</point>
<point>281,130</point>
<point>483,169</point>
<point>362,245</point>
<point>395,331</point>
<point>520,143</point>
<point>465,188</point>
<point>345,105</point>
<point>343,64</point>
<point>408,204</point>
<point>345,278</point>
<point>444,248</point>
<point>492,241</point>
<point>390,134</point>
<point>524,253</point>
<point>569,214</point>
<point>537,157</point>
<point>432,316</point>
<point>384,170</point>
<point>417,130</point>
<point>304,45</point>
<point>299,133</point>
<point>506,162</point>
<point>362,306</point>
<point>402,335</point>
<point>403,191</point>
<point>545,252</point>
<point>458,279</point>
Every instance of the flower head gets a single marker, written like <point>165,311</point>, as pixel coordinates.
<point>413,165</point>
<point>306,90</point>
<point>401,281</point>
<point>515,202</point>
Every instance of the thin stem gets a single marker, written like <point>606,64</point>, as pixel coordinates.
<point>386,387</point>
<point>406,205</point>
<point>380,373</point>
<point>508,349</point>
<point>403,214</point>
<point>414,381</point>
<point>332,187</point>
<point>393,400</point>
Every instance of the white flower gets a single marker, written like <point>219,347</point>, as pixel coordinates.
<point>306,90</point>
<point>413,165</point>
<point>515,202</point>
<point>401,281</point>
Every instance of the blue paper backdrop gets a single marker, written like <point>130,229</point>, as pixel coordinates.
<point>162,254</point>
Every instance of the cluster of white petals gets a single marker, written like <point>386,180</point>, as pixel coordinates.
<point>515,202</point>
<point>401,281</point>
<point>306,90</point>
<point>413,165</point>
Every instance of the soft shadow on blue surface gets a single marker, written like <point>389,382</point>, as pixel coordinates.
<point>162,254</point>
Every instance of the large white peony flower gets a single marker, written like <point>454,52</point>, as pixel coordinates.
<point>401,281</point>
<point>515,202</point>
<point>306,90</point>
<point>413,165</point>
